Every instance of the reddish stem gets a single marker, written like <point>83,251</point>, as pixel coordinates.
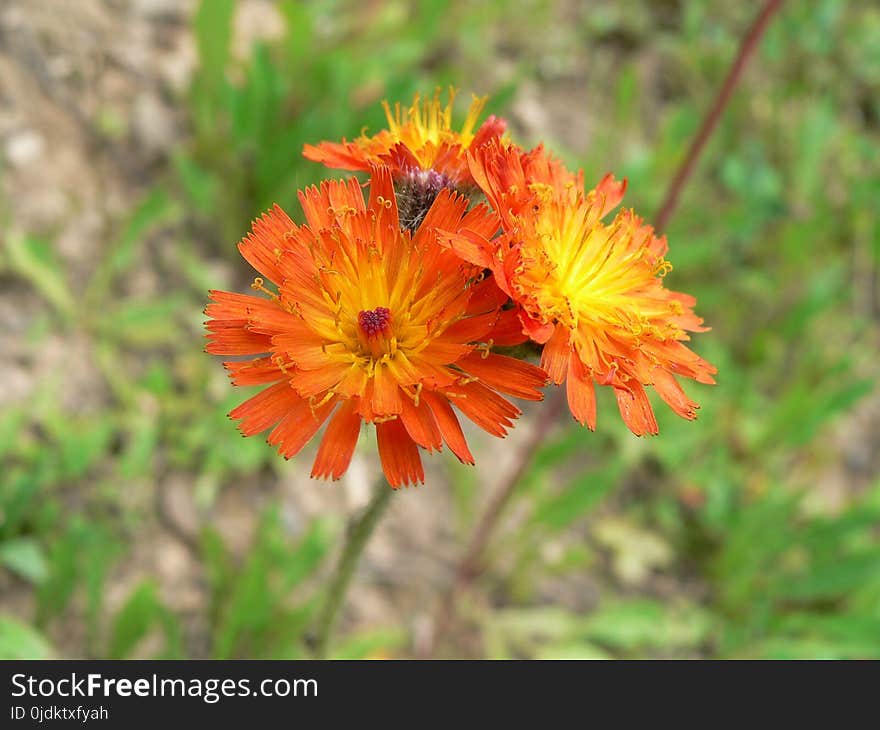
<point>469,567</point>
<point>710,121</point>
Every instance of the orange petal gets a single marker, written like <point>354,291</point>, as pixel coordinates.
<point>486,296</point>
<point>556,355</point>
<point>472,329</point>
<point>470,246</point>
<point>449,426</point>
<point>445,353</point>
<point>420,424</point>
<point>496,170</point>
<point>671,392</point>
<point>636,409</point>
<point>400,157</point>
<point>345,156</point>
<point>316,382</point>
<point>231,305</point>
<point>328,204</point>
<point>340,439</point>
<point>382,198</point>
<point>399,454</point>
<point>506,374</point>
<point>365,402</point>
<point>537,331</point>
<point>386,393</point>
<point>445,213</point>
<point>486,408</point>
<point>266,408</point>
<point>253,372</point>
<point>492,128</point>
<point>269,236</point>
<point>272,320</point>
<point>481,220</point>
<point>541,167</point>
<point>298,426</point>
<point>231,337</point>
<point>353,382</point>
<point>611,191</point>
<point>682,361</point>
<point>581,393</point>
<point>508,330</point>
<point>303,346</point>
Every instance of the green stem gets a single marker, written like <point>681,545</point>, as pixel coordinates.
<point>358,533</point>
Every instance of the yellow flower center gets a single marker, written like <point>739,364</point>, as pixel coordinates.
<point>376,310</point>
<point>425,125</point>
<point>587,275</point>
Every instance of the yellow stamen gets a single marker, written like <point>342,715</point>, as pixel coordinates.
<point>257,285</point>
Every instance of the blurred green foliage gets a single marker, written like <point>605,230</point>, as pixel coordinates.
<point>712,540</point>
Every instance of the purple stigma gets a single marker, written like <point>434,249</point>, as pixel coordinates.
<point>374,321</point>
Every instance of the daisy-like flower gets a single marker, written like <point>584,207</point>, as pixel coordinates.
<point>369,323</point>
<point>591,292</point>
<point>422,149</point>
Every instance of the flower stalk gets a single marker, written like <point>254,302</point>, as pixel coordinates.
<point>360,529</point>
<point>747,46</point>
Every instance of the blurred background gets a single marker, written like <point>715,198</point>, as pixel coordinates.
<point>139,138</point>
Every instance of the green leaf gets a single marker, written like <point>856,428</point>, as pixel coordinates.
<point>200,186</point>
<point>55,593</point>
<point>816,131</point>
<point>856,629</point>
<point>834,578</point>
<point>827,533</point>
<point>11,423</point>
<point>309,554</point>
<point>155,209</point>
<point>20,641</point>
<point>140,449</point>
<point>33,259</point>
<point>547,623</point>
<point>79,560</point>
<point>82,444</point>
<point>825,408</point>
<point>805,648</point>
<point>141,612</point>
<point>557,511</point>
<point>299,38</point>
<point>256,103</point>
<point>25,557</point>
<point>213,31</point>
<point>646,624</point>
<point>145,322</point>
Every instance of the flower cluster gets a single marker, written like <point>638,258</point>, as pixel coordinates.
<point>396,309</point>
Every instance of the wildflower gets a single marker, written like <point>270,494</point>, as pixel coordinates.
<point>370,323</point>
<point>591,292</point>
<point>420,145</point>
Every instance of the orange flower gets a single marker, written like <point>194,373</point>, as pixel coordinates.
<point>592,293</point>
<point>419,140</point>
<point>370,324</point>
